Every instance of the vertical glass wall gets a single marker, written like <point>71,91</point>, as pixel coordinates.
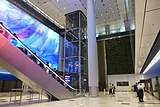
<point>158,86</point>
<point>75,50</point>
<point>155,87</point>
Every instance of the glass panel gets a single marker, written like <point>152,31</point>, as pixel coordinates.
<point>71,64</point>
<point>72,34</point>
<point>76,50</point>
<point>155,87</point>
<point>72,20</point>
<point>71,49</point>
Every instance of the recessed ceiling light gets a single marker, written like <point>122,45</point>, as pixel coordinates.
<point>57,0</point>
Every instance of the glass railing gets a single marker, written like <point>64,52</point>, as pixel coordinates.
<point>57,77</point>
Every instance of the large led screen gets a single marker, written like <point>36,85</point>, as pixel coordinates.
<point>38,37</point>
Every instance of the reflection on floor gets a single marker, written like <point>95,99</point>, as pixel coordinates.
<point>120,99</point>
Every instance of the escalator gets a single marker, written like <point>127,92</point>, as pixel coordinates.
<point>15,61</point>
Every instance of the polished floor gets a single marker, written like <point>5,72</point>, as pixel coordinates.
<point>120,99</point>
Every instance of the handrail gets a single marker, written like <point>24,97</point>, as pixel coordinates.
<point>36,56</point>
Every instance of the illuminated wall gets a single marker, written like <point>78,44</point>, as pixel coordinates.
<point>38,37</point>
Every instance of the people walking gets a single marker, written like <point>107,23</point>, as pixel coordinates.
<point>140,92</point>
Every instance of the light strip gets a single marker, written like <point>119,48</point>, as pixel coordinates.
<point>43,13</point>
<point>154,60</point>
<point>4,72</point>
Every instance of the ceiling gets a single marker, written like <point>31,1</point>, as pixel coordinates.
<point>147,13</point>
<point>108,12</point>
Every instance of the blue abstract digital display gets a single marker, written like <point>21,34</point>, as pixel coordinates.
<point>39,38</point>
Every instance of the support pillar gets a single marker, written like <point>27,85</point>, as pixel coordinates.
<point>61,48</point>
<point>127,25</point>
<point>107,29</point>
<point>92,50</point>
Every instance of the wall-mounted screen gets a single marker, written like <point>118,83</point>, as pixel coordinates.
<point>38,37</point>
<point>125,83</point>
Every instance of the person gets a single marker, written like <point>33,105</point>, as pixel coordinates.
<point>13,40</point>
<point>113,89</point>
<point>136,89</point>
<point>41,64</point>
<point>1,29</point>
<point>110,88</point>
<point>24,51</point>
<point>53,75</point>
<point>14,34</point>
<point>140,92</point>
<point>4,32</point>
<point>46,68</point>
<point>33,57</point>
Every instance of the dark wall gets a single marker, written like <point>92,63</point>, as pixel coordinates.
<point>101,65</point>
<point>7,85</point>
<point>8,82</point>
<point>119,56</point>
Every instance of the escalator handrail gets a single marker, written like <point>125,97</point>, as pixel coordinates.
<point>36,57</point>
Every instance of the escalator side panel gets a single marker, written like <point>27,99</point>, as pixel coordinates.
<point>29,70</point>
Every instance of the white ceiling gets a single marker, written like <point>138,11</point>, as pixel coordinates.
<point>113,13</point>
<point>147,26</point>
<point>108,12</point>
<point>58,8</point>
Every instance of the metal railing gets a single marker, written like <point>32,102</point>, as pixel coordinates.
<point>22,92</point>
